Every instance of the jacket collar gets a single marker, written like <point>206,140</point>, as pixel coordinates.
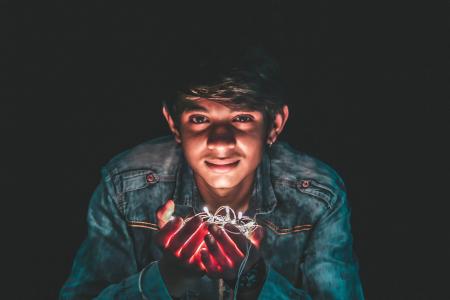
<point>263,198</point>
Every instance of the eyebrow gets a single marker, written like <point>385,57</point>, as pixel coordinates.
<point>195,107</point>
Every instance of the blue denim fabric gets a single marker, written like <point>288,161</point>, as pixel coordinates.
<point>299,200</point>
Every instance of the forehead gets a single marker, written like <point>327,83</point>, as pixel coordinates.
<point>207,105</point>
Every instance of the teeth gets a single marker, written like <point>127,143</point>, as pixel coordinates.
<point>222,166</point>
<point>218,164</point>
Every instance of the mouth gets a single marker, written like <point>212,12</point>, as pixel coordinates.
<point>222,167</point>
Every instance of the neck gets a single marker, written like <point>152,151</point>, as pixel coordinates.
<point>237,197</point>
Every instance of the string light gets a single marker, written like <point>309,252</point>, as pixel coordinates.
<point>246,225</point>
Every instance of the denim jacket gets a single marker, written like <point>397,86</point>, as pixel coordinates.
<point>299,200</point>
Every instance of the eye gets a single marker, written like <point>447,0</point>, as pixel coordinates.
<point>198,119</point>
<point>243,118</point>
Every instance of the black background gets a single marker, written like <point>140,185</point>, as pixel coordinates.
<point>87,80</point>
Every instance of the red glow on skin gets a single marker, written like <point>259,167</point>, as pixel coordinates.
<point>256,237</point>
<point>178,252</point>
<point>197,259</point>
<point>202,266</point>
<point>214,262</point>
<point>169,238</point>
<point>255,241</point>
<point>237,249</point>
<point>229,261</point>
<point>230,240</point>
<point>196,253</point>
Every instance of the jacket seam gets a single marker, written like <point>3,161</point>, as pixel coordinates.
<point>141,224</point>
<point>117,197</point>
<point>294,184</point>
<point>121,203</point>
<point>281,231</point>
<point>140,172</point>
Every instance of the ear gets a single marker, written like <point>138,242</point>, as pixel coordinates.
<point>278,124</point>
<point>171,124</point>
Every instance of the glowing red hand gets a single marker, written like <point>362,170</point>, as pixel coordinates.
<point>181,241</point>
<point>227,249</point>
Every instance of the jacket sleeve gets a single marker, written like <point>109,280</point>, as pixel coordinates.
<point>105,266</point>
<point>329,268</point>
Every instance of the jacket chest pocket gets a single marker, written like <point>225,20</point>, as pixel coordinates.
<point>142,234</point>
<point>283,247</point>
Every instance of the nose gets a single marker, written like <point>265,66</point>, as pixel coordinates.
<point>221,138</point>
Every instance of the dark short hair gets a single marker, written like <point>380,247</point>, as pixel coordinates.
<point>246,79</point>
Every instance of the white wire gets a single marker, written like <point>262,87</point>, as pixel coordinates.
<point>246,225</point>
<point>241,269</point>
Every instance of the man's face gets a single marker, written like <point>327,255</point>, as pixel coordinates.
<point>222,146</point>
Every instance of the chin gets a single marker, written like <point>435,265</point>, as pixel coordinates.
<point>222,183</point>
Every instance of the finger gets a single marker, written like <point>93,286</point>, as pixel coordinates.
<point>228,246</point>
<point>195,242</point>
<point>198,261</point>
<point>165,234</point>
<point>239,239</point>
<point>217,252</point>
<point>195,258</point>
<point>184,234</point>
<point>212,268</point>
<point>164,213</point>
<point>256,236</point>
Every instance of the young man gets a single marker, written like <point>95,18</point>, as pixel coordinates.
<point>144,240</point>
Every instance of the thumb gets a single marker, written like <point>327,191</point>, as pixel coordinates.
<point>164,213</point>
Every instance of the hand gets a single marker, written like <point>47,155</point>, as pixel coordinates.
<point>226,249</point>
<point>180,242</point>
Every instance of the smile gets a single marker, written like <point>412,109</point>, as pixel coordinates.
<point>221,168</point>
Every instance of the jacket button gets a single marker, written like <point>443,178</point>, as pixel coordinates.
<point>305,183</point>
<point>151,178</point>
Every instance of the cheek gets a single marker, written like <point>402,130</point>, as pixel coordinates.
<point>252,147</point>
<point>193,146</point>
<point>194,152</point>
<point>253,160</point>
